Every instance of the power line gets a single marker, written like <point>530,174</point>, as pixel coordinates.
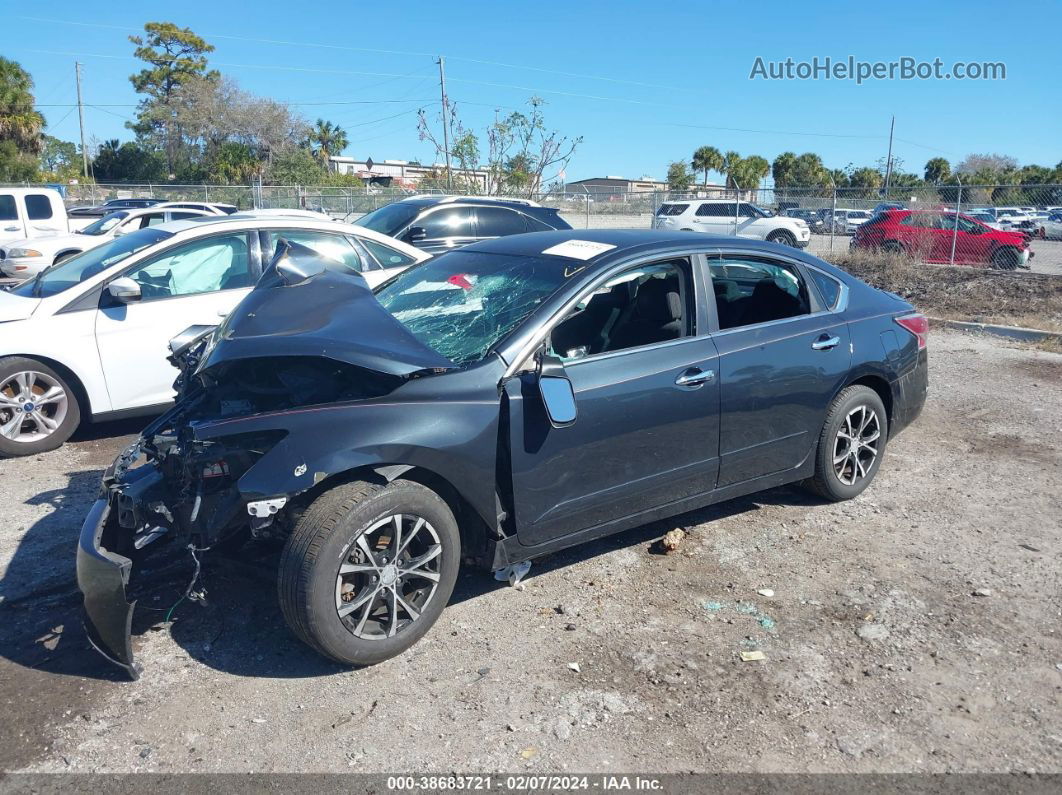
<point>347,48</point>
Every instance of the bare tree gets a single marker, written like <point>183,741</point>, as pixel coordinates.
<point>521,151</point>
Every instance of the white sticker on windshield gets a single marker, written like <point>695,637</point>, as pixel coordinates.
<point>578,249</point>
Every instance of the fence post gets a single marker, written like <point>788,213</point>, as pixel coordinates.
<point>206,192</point>
<point>587,211</point>
<point>955,229</point>
<point>833,217</point>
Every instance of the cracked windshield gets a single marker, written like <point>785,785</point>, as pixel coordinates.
<point>461,304</point>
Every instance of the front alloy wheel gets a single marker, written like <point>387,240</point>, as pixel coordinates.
<point>368,569</point>
<point>388,577</point>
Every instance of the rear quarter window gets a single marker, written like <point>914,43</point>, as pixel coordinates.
<point>672,209</point>
<point>829,288</point>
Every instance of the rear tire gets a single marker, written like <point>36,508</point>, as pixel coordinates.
<point>844,469</point>
<point>892,247</point>
<point>343,557</point>
<point>38,408</point>
<point>783,238</point>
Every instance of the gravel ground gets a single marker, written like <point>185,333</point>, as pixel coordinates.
<point>879,655</point>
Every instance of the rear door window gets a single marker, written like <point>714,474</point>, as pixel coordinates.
<point>752,290</point>
<point>334,246</point>
<point>499,222</point>
<point>38,207</point>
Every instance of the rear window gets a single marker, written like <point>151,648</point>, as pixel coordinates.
<point>672,209</point>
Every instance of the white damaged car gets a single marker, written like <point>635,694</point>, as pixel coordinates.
<point>88,338</point>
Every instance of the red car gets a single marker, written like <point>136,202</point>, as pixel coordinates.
<point>927,235</point>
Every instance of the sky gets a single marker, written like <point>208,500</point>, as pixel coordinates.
<point>643,83</point>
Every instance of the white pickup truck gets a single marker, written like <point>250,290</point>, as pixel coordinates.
<point>31,212</point>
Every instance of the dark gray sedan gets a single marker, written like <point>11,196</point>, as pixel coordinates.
<point>494,404</point>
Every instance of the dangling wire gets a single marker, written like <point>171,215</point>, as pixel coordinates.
<point>189,592</point>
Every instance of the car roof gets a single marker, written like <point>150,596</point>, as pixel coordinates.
<point>624,242</point>
<point>240,221</point>
<point>483,201</point>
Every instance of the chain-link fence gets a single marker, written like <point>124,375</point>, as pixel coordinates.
<point>939,229</point>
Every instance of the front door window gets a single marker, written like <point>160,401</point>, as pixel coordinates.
<point>216,263</point>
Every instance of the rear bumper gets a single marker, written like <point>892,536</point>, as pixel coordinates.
<point>101,577</point>
<point>911,392</point>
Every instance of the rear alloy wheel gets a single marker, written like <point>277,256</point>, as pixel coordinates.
<point>38,410</point>
<point>368,569</point>
<point>782,237</point>
<point>1005,259</point>
<point>851,445</point>
<point>892,247</point>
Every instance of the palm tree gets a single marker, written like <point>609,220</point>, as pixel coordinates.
<point>707,158</point>
<point>19,122</point>
<point>938,169</point>
<point>731,164</point>
<point>784,169</point>
<point>327,139</point>
<point>750,171</point>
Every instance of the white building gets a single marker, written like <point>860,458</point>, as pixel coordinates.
<point>397,173</point>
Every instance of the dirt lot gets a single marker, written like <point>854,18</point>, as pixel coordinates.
<point>878,654</point>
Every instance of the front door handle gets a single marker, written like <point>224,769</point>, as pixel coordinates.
<point>694,377</point>
<point>12,228</point>
<point>824,343</point>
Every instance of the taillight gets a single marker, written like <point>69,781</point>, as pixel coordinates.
<point>918,325</point>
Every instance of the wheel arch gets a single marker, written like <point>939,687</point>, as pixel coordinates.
<point>67,251</point>
<point>475,529</point>
<point>881,386</point>
<point>67,374</point>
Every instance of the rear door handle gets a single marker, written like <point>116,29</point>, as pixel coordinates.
<point>12,228</point>
<point>695,377</point>
<point>824,343</point>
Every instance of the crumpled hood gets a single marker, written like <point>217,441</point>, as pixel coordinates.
<point>16,307</point>
<point>331,314</point>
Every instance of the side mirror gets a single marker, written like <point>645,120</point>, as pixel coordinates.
<point>558,396</point>
<point>124,290</point>
<point>415,234</point>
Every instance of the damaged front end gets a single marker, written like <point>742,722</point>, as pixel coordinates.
<point>187,482</point>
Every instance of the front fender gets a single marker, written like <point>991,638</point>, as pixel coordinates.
<point>456,440</point>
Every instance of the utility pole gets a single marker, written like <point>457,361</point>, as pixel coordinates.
<point>888,160</point>
<point>81,119</point>
<point>446,122</point>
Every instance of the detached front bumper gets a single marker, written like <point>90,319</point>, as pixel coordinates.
<point>101,577</point>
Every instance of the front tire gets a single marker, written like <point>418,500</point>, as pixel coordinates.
<point>368,569</point>
<point>851,445</point>
<point>38,408</point>
<point>1005,259</point>
<point>782,237</point>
